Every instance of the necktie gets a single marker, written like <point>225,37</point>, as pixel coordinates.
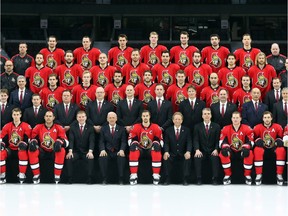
<point>3,108</point>
<point>159,104</point>
<point>207,129</point>
<point>66,110</point>
<point>99,107</point>
<point>130,104</point>
<point>256,106</point>
<point>277,95</point>
<point>177,134</point>
<point>222,110</point>
<point>285,108</point>
<point>36,111</point>
<point>21,97</point>
<point>192,105</point>
<point>81,129</point>
<point>112,131</point>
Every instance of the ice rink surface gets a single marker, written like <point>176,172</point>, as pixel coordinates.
<point>142,200</point>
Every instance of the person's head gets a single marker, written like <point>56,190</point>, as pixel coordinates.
<point>213,78</point>
<point>135,55</point>
<point>246,81</point>
<point>16,114</point>
<point>256,94</point>
<point>117,76</point>
<point>66,96</point>
<point>184,37</point>
<point>122,40</point>
<point>21,81</point>
<point>69,56</point>
<point>52,80</point>
<point>260,59</point>
<point>147,76</point>
<point>36,100</point>
<point>275,50</point>
<point>8,66</point>
<point>159,90</point>
<point>231,59</point>
<point>86,77</point>
<point>103,59</point>
<point>39,59</point>
<point>197,57</point>
<point>153,37</point>
<point>246,40</point>
<point>285,94</point>
<point>223,95</point>
<point>86,42</point>
<point>236,118</point>
<point>191,90</point>
<point>52,42</point>
<point>286,63</point>
<point>267,118</point>
<point>276,83</point>
<point>100,93</point>
<point>4,94</point>
<point>145,116</point>
<point>130,91</point>
<point>206,114</point>
<point>23,48</point>
<point>180,76</point>
<point>165,56</point>
<point>112,118</point>
<point>214,39</point>
<point>49,117</point>
<point>81,117</point>
<point>177,119</point>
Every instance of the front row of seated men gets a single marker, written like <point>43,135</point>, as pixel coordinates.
<point>49,140</point>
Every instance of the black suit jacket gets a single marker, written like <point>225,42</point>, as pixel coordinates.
<point>81,143</point>
<point>127,117</point>
<point>202,141</point>
<point>60,114</point>
<point>27,100</point>
<point>7,115</point>
<point>177,147</point>
<point>99,118</point>
<point>191,117</point>
<point>279,115</point>
<point>33,120</point>
<point>113,143</point>
<point>270,99</point>
<point>163,117</point>
<point>216,113</point>
<point>250,116</point>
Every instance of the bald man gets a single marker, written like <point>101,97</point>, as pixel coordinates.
<point>276,59</point>
<point>9,77</point>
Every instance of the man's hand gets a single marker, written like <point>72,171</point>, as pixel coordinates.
<point>90,155</point>
<point>166,155</point>
<point>198,154</point>
<point>215,153</point>
<point>187,155</point>
<point>97,128</point>
<point>103,153</point>
<point>121,153</point>
<point>69,155</point>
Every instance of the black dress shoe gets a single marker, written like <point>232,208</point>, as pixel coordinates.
<point>199,181</point>
<point>104,182</point>
<point>89,181</point>
<point>185,182</point>
<point>121,182</point>
<point>214,181</point>
<point>166,183</point>
<point>70,181</point>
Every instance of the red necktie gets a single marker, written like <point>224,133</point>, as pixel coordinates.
<point>81,129</point>
<point>177,134</point>
<point>130,104</point>
<point>66,110</point>
<point>3,108</point>
<point>159,104</point>
<point>222,110</point>
<point>112,131</point>
<point>277,95</point>
<point>99,106</point>
<point>256,106</point>
<point>192,105</point>
<point>207,129</point>
<point>36,111</point>
<point>285,108</point>
<point>21,97</point>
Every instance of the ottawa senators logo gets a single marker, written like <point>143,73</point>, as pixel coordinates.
<point>246,98</point>
<point>153,59</point>
<point>134,78</point>
<point>115,98</point>
<point>15,138</point>
<point>147,96</point>
<point>121,60</point>
<point>247,62</point>
<point>214,97</point>
<point>166,78</point>
<point>183,59</point>
<point>179,97</point>
<point>198,79</point>
<point>102,79</point>
<point>84,99</point>
<point>38,80</point>
<point>68,78</point>
<point>269,142</point>
<point>86,62</point>
<point>261,80</point>
<point>215,60</point>
<point>48,142</point>
<point>51,101</point>
<point>51,63</point>
<point>232,82</point>
<point>145,142</point>
<point>236,142</point>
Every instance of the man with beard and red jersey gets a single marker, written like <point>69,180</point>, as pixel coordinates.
<point>102,74</point>
<point>69,73</point>
<point>116,91</point>
<point>236,140</point>
<point>146,91</point>
<point>215,55</point>
<point>14,144</point>
<point>53,56</point>
<point>151,54</point>
<point>262,74</point>
<point>182,54</point>
<point>120,55</point>
<point>246,56</point>
<point>268,137</point>
<point>145,138</point>
<point>276,59</point>
<point>242,95</point>
<point>198,73</point>
<point>22,60</point>
<point>48,140</point>
<point>133,71</point>
<point>85,92</point>
<point>37,76</point>
<point>178,91</point>
<point>52,94</point>
<point>165,71</point>
<point>231,75</point>
<point>86,56</point>
<point>210,94</point>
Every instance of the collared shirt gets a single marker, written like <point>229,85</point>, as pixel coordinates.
<point>225,106</point>
<point>19,93</point>
<point>207,124</point>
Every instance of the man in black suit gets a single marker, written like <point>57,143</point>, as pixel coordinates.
<point>206,145</point>
<point>274,95</point>
<point>222,110</point>
<point>280,109</point>
<point>65,112</point>
<point>81,145</point>
<point>6,108</point>
<point>253,110</point>
<point>22,96</point>
<point>160,109</point>
<point>191,109</point>
<point>35,115</point>
<point>177,146</point>
<point>112,145</point>
<point>129,110</point>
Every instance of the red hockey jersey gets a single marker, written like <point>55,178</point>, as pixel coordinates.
<point>268,135</point>
<point>151,56</point>
<point>68,76</point>
<point>102,76</point>
<point>38,78</point>
<point>54,58</point>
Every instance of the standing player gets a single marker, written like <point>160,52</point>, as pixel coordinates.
<point>215,55</point>
<point>145,139</point>
<point>242,95</point>
<point>13,143</point>
<point>151,54</point>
